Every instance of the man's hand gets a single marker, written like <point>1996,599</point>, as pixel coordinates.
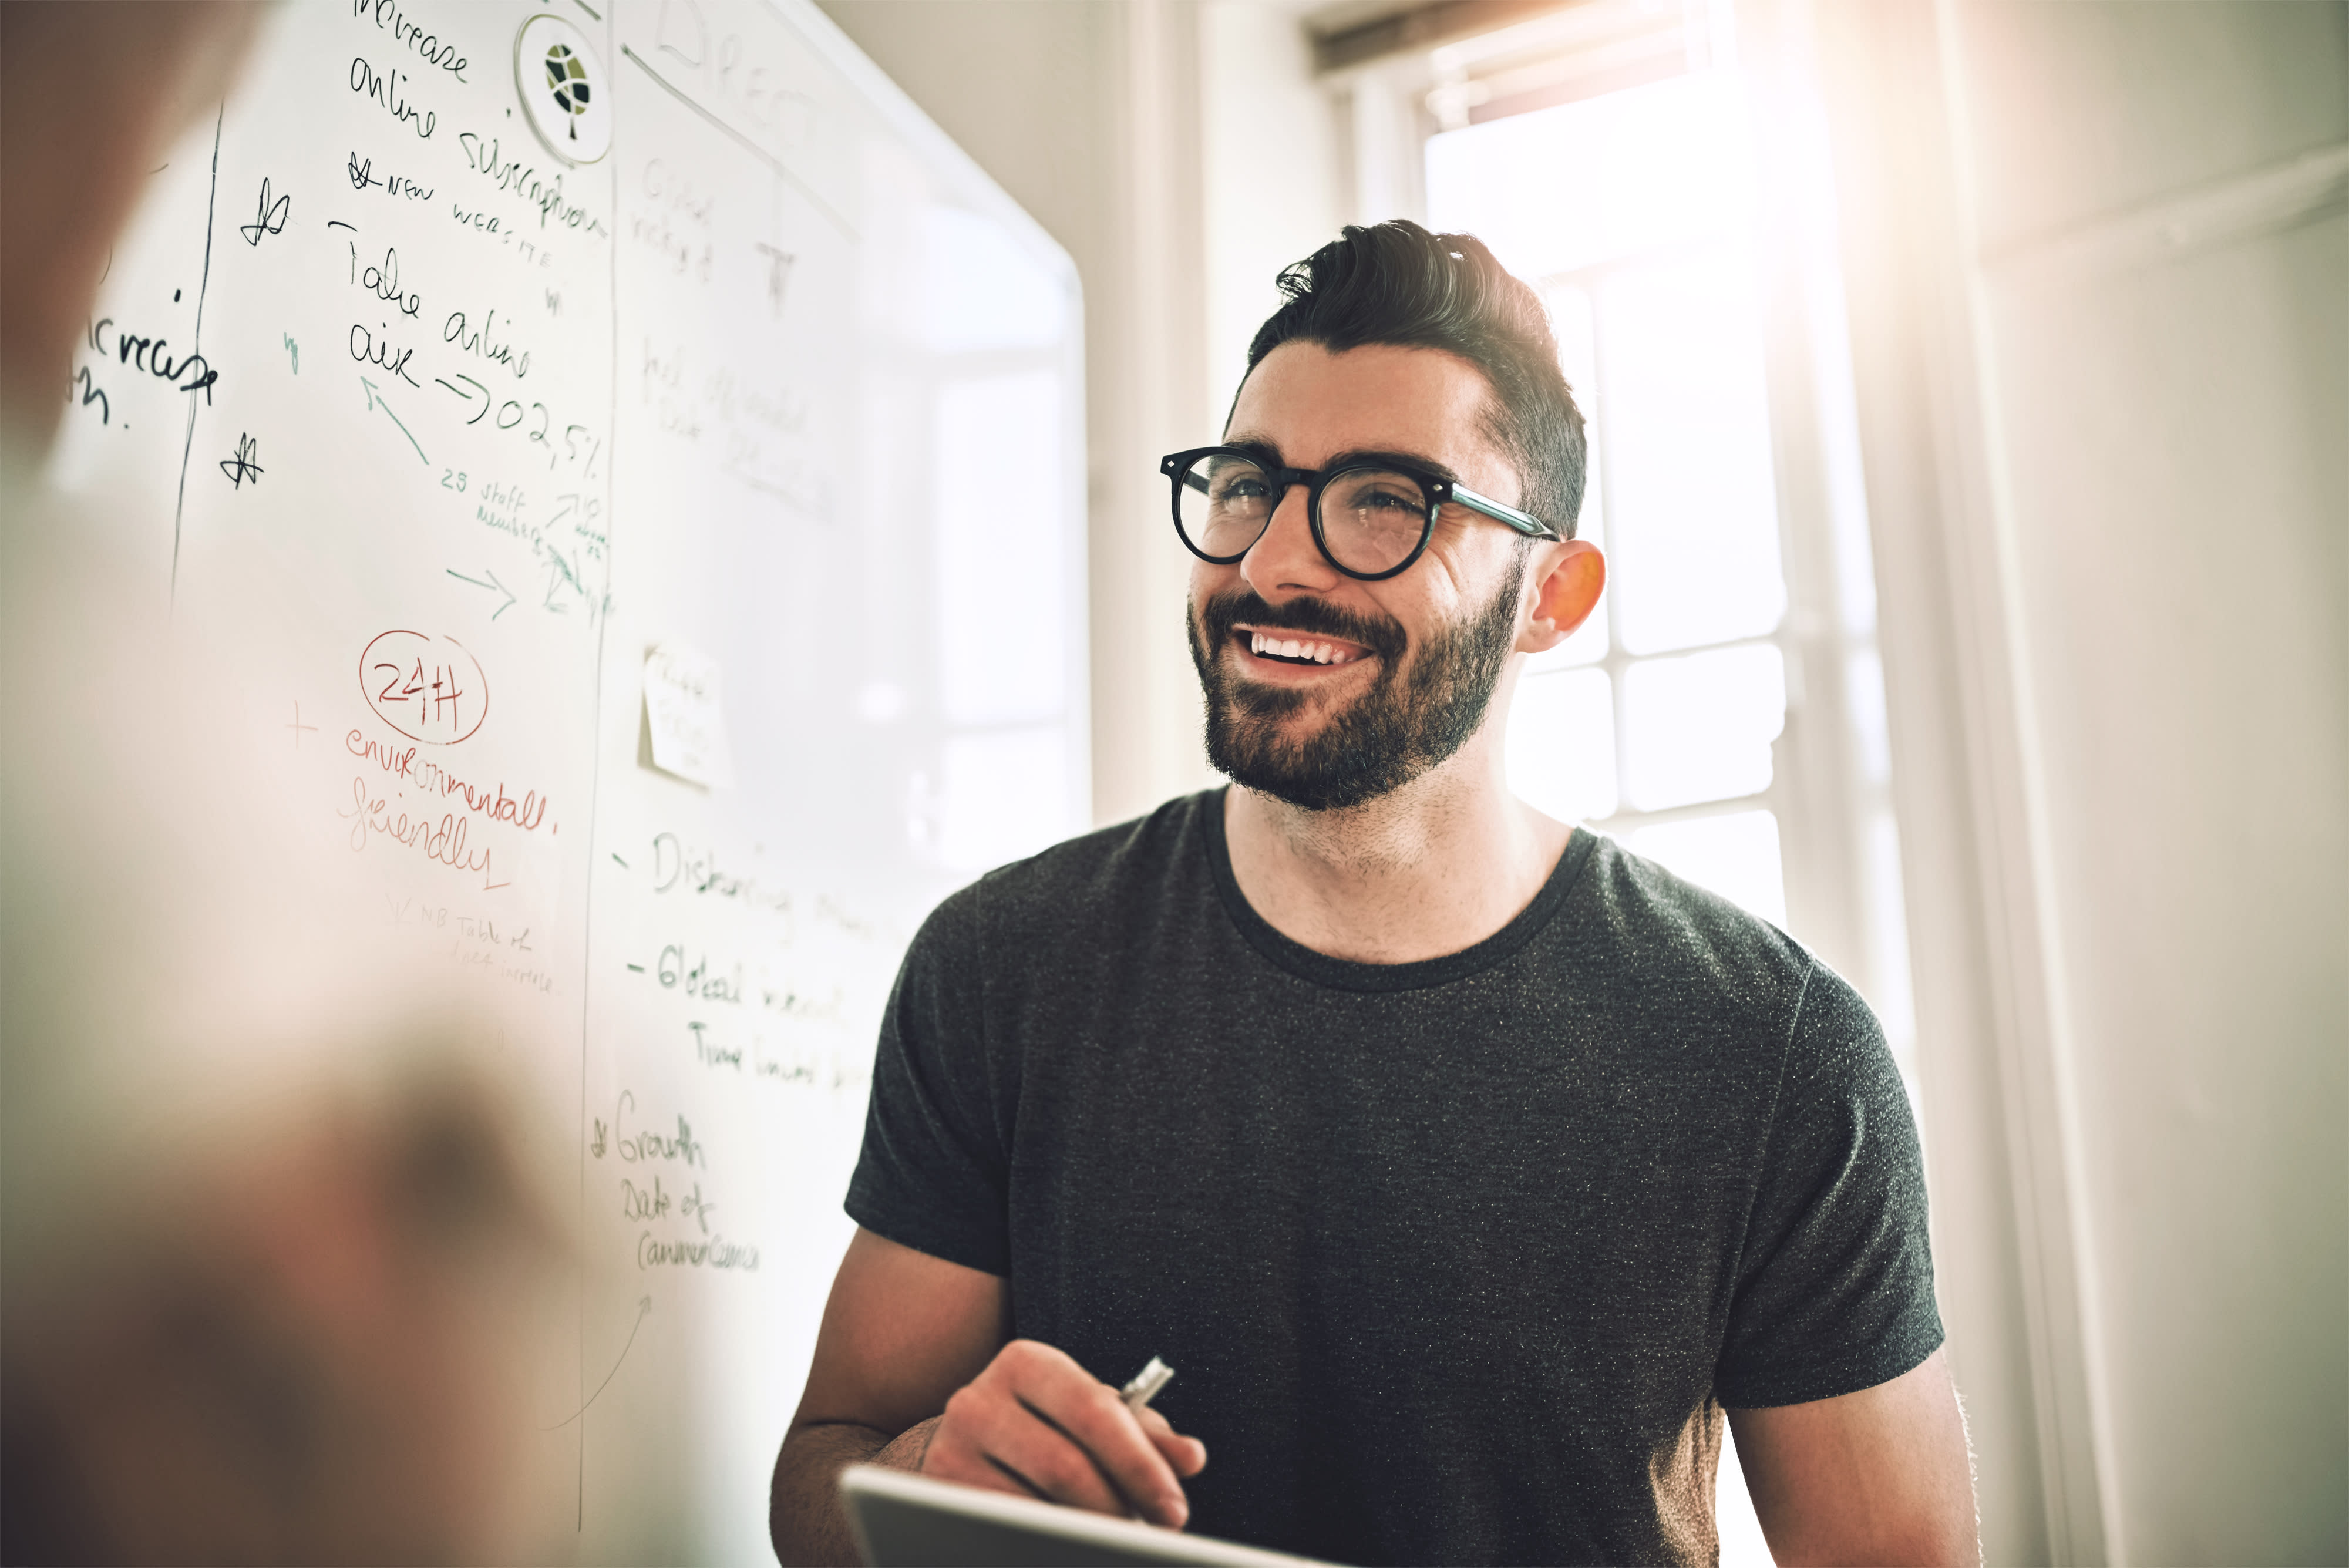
<point>906,1336</point>
<point>1038,1424</point>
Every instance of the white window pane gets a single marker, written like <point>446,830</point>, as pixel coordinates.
<point>1561,746</point>
<point>1005,795</point>
<point>1735,856</point>
<point>1699,727</point>
<point>1002,652</point>
<point>1563,187</point>
<point>1689,496</point>
<point>1578,344</point>
<point>1887,939</point>
<point>1871,726</point>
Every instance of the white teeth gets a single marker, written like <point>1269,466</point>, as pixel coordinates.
<point>1298,648</point>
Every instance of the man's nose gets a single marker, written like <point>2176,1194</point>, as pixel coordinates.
<point>1285,559</point>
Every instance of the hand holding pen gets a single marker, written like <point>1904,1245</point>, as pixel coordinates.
<point>1036,1424</point>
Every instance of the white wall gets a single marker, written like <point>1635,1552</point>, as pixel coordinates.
<point>2100,271</point>
<point>1271,174</point>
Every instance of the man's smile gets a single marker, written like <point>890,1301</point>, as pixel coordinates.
<point>1277,653</point>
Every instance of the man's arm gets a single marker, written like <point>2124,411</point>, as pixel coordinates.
<point>901,1333</point>
<point>913,1369</point>
<point>1881,1476</point>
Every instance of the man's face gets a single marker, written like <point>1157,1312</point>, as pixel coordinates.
<point>1391,678</point>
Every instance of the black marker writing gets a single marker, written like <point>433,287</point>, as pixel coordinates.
<point>480,340</point>
<point>384,89</point>
<point>383,281</point>
<point>367,350</point>
<point>242,467</point>
<point>152,355</point>
<point>271,220</point>
<point>92,393</point>
<point>387,15</point>
<point>521,179</point>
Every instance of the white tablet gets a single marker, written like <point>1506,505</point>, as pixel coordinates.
<point>906,1521</point>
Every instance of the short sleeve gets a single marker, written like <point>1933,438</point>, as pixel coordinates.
<point>1835,1286</point>
<point>933,1174</point>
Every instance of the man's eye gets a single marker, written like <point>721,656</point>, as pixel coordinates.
<point>1383,501</point>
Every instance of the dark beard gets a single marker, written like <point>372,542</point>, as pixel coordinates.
<point>1386,737</point>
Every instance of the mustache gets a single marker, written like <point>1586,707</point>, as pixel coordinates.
<point>1309,615</point>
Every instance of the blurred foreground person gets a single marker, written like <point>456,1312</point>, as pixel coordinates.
<point>268,1255</point>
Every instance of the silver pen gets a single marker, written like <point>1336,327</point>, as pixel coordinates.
<point>1146,1385</point>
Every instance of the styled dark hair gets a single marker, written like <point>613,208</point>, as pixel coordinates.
<point>1394,283</point>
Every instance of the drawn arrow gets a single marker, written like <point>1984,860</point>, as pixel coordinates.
<point>479,390</point>
<point>375,402</point>
<point>494,584</point>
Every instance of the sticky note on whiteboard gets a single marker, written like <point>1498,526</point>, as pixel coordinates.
<point>685,712</point>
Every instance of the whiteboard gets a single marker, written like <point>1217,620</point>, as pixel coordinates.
<point>723,370</point>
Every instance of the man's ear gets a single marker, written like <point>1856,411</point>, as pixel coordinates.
<point>1569,591</point>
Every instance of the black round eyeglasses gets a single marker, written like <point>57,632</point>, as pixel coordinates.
<point>1372,517</point>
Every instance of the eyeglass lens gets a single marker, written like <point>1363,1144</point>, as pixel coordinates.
<point>1371,519</point>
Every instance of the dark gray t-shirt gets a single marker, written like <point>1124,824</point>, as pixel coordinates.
<point>1455,1261</point>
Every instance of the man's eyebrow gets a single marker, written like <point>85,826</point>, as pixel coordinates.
<point>1266,453</point>
<point>1402,458</point>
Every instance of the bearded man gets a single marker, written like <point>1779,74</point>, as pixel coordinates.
<point>1468,1168</point>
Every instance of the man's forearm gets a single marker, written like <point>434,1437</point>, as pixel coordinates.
<point>805,1518</point>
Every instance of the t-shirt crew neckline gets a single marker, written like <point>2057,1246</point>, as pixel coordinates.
<point>1346,974</point>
